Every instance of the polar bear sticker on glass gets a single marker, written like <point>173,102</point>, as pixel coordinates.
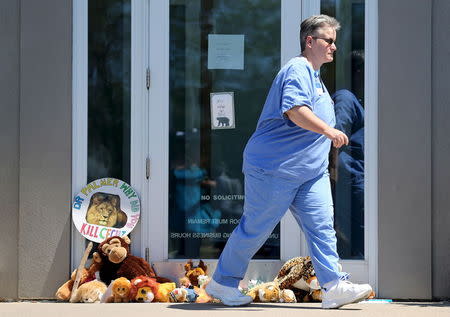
<point>105,207</point>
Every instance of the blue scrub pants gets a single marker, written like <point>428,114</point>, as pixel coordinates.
<point>267,198</point>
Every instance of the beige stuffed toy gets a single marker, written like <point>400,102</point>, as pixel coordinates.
<point>287,296</point>
<point>65,291</point>
<point>266,292</point>
<point>90,292</point>
<point>271,292</point>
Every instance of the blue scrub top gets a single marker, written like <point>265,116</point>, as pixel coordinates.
<point>280,147</point>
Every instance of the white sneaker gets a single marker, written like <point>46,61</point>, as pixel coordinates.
<point>229,296</point>
<point>343,293</point>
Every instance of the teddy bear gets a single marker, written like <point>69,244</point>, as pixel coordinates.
<point>143,289</point>
<point>65,291</point>
<point>120,291</point>
<point>298,275</point>
<point>116,261</point>
<point>193,272</point>
<point>90,292</point>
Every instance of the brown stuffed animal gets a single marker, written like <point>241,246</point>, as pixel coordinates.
<point>305,296</point>
<point>192,273</point>
<point>116,261</point>
<point>298,275</point>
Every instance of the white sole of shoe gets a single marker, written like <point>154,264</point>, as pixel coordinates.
<point>227,302</point>
<point>235,304</point>
<point>338,304</point>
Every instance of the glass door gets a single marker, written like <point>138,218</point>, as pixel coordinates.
<point>110,102</point>
<point>211,65</point>
<point>217,50</point>
<point>105,93</point>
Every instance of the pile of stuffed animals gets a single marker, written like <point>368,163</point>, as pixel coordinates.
<point>116,276</point>
<point>296,282</point>
<point>129,278</point>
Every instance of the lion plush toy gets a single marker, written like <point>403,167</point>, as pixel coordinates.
<point>104,210</point>
<point>90,292</point>
<point>120,291</point>
<point>298,275</point>
<point>143,289</point>
<point>116,261</point>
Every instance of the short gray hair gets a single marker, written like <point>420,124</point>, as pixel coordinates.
<point>311,24</point>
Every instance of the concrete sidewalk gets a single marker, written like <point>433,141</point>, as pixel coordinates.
<point>50,309</point>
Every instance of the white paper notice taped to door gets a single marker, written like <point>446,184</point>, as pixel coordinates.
<point>226,51</point>
<point>222,110</point>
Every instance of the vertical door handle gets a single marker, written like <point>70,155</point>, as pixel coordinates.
<point>147,167</point>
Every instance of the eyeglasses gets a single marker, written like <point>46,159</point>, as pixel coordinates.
<point>329,41</point>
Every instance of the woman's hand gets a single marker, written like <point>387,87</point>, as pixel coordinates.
<point>336,136</point>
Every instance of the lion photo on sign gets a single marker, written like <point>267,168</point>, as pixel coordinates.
<point>104,210</point>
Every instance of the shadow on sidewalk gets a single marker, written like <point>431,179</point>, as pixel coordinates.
<point>251,307</point>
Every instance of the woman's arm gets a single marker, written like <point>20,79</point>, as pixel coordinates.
<point>306,119</point>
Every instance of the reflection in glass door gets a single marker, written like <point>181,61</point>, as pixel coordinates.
<point>102,95</point>
<point>109,89</point>
<point>216,47</point>
<point>344,78</point>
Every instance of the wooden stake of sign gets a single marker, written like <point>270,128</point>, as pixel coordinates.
<point>80,270</point>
